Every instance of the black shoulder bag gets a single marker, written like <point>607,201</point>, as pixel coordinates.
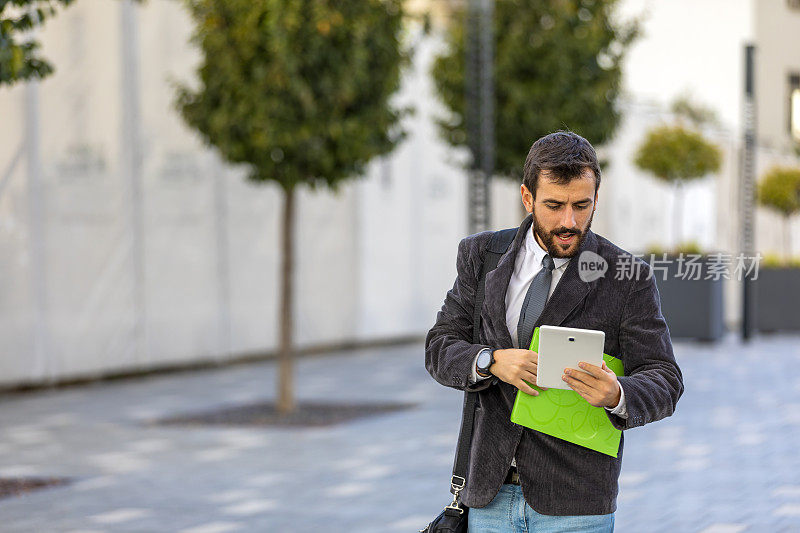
<point>453,519</point>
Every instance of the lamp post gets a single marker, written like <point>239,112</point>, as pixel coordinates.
<point>747,186</point>
<point>479,110</point>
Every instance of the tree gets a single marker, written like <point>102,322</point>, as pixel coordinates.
<point>299,92</point>
<point>779,189</point>
<point>676,154</point>
<point>557,65</point>
<point>697,115</point>
<point>19,58</point>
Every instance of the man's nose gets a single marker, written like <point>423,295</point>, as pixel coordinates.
<point>568,220</point>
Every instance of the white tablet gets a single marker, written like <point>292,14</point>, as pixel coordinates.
<point>561,348</point>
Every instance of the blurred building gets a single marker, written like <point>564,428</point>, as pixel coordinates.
<point>126,245</point>
<point>696,49</point>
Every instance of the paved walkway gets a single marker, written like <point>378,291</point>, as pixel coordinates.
<point>726,462</point>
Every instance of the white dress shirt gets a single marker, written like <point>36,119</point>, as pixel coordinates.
<point>528,264</point>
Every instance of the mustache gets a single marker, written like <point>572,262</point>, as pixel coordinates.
<point>565,231</point>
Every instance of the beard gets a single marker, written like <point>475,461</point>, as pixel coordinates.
<point>558,250</point>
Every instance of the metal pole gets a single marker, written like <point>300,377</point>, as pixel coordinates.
<point>223,260</point>
<point>479,109</point>
<point>487,106</point>
<point>747,190</point>
<point>471,117</point>
<point>42,365</point>
<point>131,153</point>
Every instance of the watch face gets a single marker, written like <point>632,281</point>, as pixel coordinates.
<point>484,359</point>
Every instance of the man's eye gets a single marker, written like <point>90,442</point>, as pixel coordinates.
<point>582,206</point>
<point>552,206</point>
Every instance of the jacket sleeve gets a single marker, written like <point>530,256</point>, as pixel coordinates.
<point>449,351</point>
<point>653,383</point>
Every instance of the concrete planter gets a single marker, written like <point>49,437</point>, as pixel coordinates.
<point>692,307</point>
<point>776,295</point>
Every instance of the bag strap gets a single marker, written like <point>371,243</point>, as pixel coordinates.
<point>498,245</point>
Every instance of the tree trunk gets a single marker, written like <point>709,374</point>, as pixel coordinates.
<point>285,355</point>
<point>678,215</point>
<point>787,238</point>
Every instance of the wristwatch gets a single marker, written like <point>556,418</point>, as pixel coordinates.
<point>484,362</point>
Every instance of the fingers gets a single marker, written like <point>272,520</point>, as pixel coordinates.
<point>532,378</point>
<point>529,359</point>
<point>585,392</point>
<point>582,377</point>
<point>519,368</point>
<point>596,392</point>
<point>527,389</point>
<point>525,362</point>
<point>525,355</point>
<point>530,367</point>
<point>594,370</point>
<point>575,384</point>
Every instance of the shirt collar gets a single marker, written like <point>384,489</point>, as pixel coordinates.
<point>532,246</point>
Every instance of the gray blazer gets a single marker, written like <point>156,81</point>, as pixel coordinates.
<point>557,477</point>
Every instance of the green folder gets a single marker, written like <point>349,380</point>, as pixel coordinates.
<point>566,415</point>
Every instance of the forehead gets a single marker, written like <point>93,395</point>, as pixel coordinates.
<point>575,190</point>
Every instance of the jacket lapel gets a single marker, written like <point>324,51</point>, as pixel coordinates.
<point>494,303</point>
<point>569,292</point>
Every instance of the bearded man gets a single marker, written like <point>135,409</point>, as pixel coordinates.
<point>520,479</point>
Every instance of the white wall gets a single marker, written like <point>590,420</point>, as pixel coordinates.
<point>372,262</point>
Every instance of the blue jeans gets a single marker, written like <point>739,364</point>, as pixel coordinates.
<point>508,513</point>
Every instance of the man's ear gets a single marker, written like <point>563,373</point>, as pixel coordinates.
<point>527,198</point>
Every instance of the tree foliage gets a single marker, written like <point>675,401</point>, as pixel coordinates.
<point>779,189</point>
<point>675,153</point>
<point>557,65</point>
<point>698,115</point>
<point>299,91</point>
<point>19,53</point>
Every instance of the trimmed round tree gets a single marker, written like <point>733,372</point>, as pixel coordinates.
<point>779,189</point>
<point>298,92</point>
<point>675,154</point>
<point>557,65</point>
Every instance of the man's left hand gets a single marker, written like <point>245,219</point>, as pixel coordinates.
<point>599,387</point>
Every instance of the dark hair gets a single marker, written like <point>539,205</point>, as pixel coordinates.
<point>565,154</point>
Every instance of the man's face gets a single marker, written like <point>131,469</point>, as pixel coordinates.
<point>562,214</point>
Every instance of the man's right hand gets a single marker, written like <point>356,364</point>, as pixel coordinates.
<point>516,366</point>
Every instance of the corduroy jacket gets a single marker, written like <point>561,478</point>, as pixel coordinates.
<point>557,477</point>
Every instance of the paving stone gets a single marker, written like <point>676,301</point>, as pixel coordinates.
<point>725,462</point>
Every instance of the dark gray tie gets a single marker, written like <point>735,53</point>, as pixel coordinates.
<point>534,302</point>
